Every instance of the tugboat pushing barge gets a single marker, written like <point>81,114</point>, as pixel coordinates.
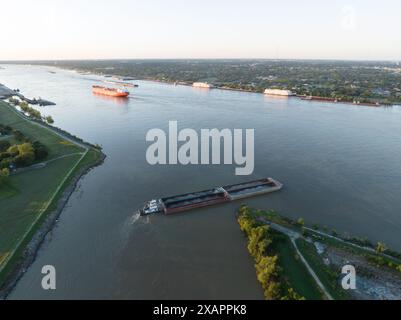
<point>194,200</point>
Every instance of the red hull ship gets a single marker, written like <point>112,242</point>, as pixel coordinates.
<point>111,92</point>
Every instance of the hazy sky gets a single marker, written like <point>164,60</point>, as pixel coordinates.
<point>76,29</point>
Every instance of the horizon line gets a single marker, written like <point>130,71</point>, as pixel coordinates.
<point>200,59</point>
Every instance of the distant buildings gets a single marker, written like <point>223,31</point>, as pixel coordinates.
<point>278,92</point>
<point>203,85</point>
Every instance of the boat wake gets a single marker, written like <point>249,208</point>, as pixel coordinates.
<point>137,218</point>
<point>132,223</point>
<point>134,218</point>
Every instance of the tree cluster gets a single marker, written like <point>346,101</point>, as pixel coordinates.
<point>267,266</point>
<point>22,153</point>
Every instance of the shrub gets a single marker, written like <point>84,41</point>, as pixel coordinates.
<point>4,173</point>
<point>40,151</point>
<point>4,145</point>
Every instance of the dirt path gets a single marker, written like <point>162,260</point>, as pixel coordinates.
<point>41,165</point>
<point>293,235</point>
<point>310,270</point>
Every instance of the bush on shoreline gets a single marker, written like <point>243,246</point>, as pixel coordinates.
<point>267,267</point>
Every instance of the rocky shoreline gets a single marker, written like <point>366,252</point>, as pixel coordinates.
<point>32,249</point>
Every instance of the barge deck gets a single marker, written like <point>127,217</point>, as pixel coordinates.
<point>194,200</point>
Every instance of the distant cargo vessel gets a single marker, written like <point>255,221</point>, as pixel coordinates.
<point>203,85</point>
<point>194,200</point>
<point>123,84</point>
<point>111,92</point>
<point>278,92</point>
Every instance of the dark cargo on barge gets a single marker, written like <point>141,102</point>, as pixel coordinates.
<point>194,200</point>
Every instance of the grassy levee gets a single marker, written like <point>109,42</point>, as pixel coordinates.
<point>30,196</point>
<point>288,274</point>
<point>328,277</point>
<point>294,271</point>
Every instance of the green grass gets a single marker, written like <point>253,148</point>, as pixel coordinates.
<point>274,217</point>
<point>357,251</point>
<point>294,271</point>
<point>327,275</point>
<point>7,190</point>
<point>26,195</point>
<point>57,146</point>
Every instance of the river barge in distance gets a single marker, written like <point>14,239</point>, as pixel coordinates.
<point>218,195</point>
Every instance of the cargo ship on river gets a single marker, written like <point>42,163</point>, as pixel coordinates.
<point>218,195</point>
<point>111,92</point>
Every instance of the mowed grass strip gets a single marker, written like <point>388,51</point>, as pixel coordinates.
<point>294,271</point>
<point>35,188</point>
<point>56,145</point>
<point>23,200</point>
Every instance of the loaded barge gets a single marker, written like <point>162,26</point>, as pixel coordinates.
<point>194,200</point>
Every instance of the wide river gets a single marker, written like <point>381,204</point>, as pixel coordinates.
<point>341,166</point>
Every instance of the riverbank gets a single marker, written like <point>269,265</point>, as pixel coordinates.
<point>378,271</point>
<point>296,96</point>
<point>7,93</point>
<point>356,101</point>
<point>281,274</point>
<point>41,195</point>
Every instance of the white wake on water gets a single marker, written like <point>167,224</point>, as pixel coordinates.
<point>134,218</point>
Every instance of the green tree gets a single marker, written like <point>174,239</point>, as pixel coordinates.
<point>301,222</point>
<point>266,268</point>
<point>13,150</point>
<point>258,242</point>
<point>49,120</point>
<point>267,271</point>
<point>26,149</point>
<point>24,106</point>
<point>4,174</point>
<point>4,145</point>
<point>246,222</point>
<point>23,154</point>
<point>381,247</point>
<point>272,291</point>
<point>40,150</point>
<point>18,135</point>
<point>292,295</point>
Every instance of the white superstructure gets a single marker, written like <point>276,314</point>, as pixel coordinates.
<point>204,85</point>
<point>278,92</point>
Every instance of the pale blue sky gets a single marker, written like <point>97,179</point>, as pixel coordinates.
<point>76,29</point>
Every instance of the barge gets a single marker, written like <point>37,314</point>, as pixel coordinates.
<point>218,195</point>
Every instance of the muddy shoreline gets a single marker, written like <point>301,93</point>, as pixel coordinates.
<point>32,249</point>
